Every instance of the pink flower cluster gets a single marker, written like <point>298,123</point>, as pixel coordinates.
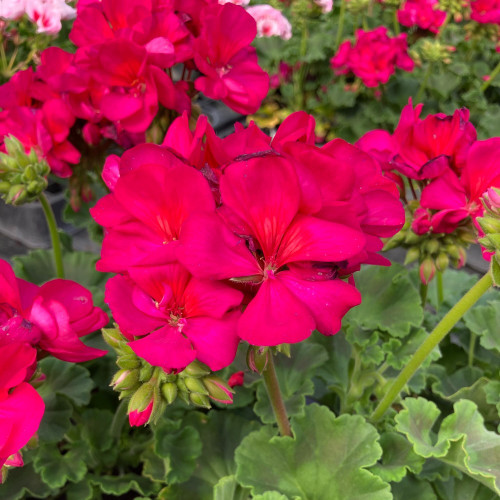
<point>50,318</point>
<point>421,13</point>
<point>485,11</point>
<point>122,74</point>
<point>270,22</point>
<point>217,240</point>
<point>374,56</point>
<point>442,154</point>
<point>46,14</point>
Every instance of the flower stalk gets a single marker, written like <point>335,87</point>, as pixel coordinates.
<point>276,398</point>
<point>438,334</point>
<point>54,235</point>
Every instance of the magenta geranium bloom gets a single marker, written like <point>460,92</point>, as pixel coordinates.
<point>144,214</point>
<point>223,54</point>
<point>21,407</point>
<point>280,220</point>
<point>373,57</point>
<point>178,317</point>
<point>261,198</point>
<point>421,13</point>
<point>425,148</point>
<point>52,317</point>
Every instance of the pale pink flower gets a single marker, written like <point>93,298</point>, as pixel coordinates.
<point>242,3</point>
<point>12,9</point>
<point>326,5</point>
<point>270,22</point>
<point>47,14</point>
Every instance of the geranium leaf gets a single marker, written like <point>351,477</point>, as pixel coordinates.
<point>79,491</point>
<point>119,485</point>
<point>462,441</point>
<point>390,301</point>
<point>228,489</point>
<point>326,459</point>
<point>68,379</point>
<point>184,443</point>
<point>294,375</point>
<point>56,469</point>
<point>464,488</point>
<point>398,458</point>
<point>24,482</point>
<point>484,321</point>
<point>410,488</point>
<point>56,418</point>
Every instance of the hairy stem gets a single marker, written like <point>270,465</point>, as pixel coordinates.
<point>274,392</point>
<point>54,235</point>
<point>493,75</point>
<point>441,330</point>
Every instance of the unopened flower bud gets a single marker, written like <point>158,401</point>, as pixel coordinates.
<point>489,224</point>
<point>128,361</point>
<point>257,358</point>
<point>145,372</point>
<point>4,472</point>
<point>427,270</point>
<point>200,400</point>
<point>442,262</point>
<point>113,337</point>
<point>218,390</point>
<point>125,379</point>
<point>195,385</point>
<point>169,392</point>
<point>432,246</point>
<point>412,255</point>
<point>195,369</point>
<point>141,405</point>
<point>236,379</point>
<point>137,418</point>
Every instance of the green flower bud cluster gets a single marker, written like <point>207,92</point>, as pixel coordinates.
<point>432,251</point>
<point>143,383</point>
<point>357,6</point>
<point>22,176</point>
<point>490,222</point>
<point>459,9</point>
<point>434,51</point>
<point>482,31</point>
<point>393,3</point>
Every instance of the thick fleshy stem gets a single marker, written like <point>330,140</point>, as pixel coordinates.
<point>274,392</point>
<point>492,75</point>
<point>438,334</point>
<point>54,235</point>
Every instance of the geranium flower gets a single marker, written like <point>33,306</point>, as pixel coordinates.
<point>223,54</point>
<point>421,13</point>
<point>21,407</point>
<point>53,316</point>
<point>373,57</point>
<point>270,22</point>
<point>180,318</point>
<point>261,197</point>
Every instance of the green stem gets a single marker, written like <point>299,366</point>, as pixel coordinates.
<point>493,75</point>
<point>341,24</point>
<point>54,235</point>
<point>423,85</point>
<point>438,334</point>
<point>439,286</point>
<point>423,293</point>
<point>472,346</point>
<point>396,23</point>
<point>274,392</point>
